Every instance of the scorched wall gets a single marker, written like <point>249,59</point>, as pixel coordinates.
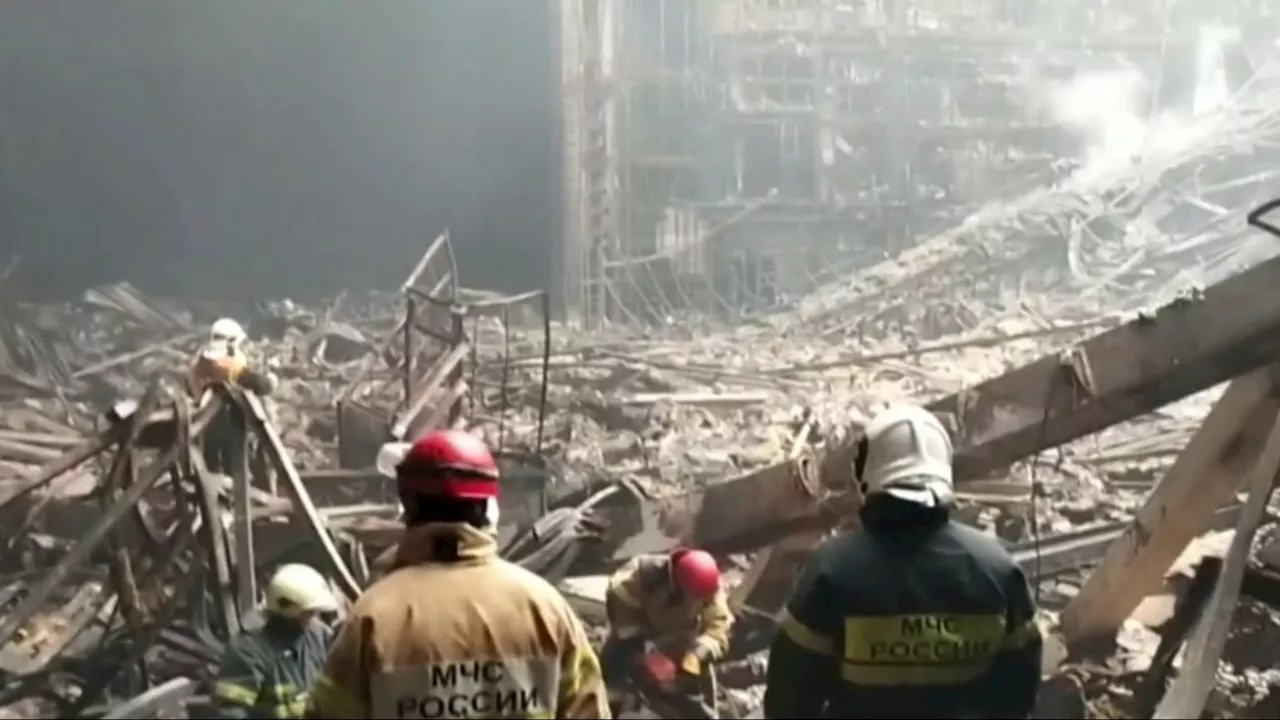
<point>276,147</point>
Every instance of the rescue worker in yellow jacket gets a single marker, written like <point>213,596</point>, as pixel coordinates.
<point>222,360</point>
<point>674,600</point>
<point>913,615</point>
<point>267,670</point>
<point>454,631</point>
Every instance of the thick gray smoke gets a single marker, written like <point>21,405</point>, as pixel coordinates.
<point>275,147</point>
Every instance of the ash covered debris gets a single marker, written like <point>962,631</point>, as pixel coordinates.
<point>637,443</point>
<point>631,442</point>
<point>127,565</point>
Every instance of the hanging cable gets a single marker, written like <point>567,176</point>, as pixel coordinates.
<point>1050,396</point>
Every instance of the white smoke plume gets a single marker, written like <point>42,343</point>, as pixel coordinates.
<point>1110,110</point>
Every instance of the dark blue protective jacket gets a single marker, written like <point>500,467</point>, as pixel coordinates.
<point>913,616</point>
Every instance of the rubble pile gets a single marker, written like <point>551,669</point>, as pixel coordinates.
<point>641,443</point>
<point>1113,233</point>
<point>126,564</point>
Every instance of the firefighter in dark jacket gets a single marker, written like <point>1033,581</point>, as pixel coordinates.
<point>267,671</point>
<point>913,615</point>
<point>222,360</point>
<point>453,630</point>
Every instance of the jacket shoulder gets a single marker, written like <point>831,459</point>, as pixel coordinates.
<point>539,591</point>
<point>389,590</point>
<point>641,569</point>
<point>249,645</point>
<point>841,550</point>
<point>984,547</point>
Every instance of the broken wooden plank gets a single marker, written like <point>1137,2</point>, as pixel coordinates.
<point>1187,694</point>
<point>1204,478</point>
<point>301,499</point>
<point>1186,346</point>
<point>698,399</point>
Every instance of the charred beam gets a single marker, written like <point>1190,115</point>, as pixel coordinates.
<point>1188,345</point>
<point>1205,477</point>
<point>1187,695</point>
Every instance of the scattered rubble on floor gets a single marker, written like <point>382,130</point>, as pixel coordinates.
<point>127,563</point>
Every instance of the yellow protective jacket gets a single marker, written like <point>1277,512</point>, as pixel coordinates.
<point>641,601</point>
<point>206,372</point>
<point>454,631</point>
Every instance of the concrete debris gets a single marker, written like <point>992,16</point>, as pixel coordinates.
<point>128,564</point>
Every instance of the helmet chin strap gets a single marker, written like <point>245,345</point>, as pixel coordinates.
<point>492,513</point>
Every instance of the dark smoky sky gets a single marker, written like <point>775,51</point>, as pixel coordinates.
<point>223,148</point>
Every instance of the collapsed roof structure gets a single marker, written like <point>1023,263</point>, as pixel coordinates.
<point>127,573</point>
<point>1083,312</point>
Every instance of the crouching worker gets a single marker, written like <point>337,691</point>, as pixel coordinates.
<point>268,670</point>
<point>674,601</point>
<point>452,630</point>
<point>913,615</point>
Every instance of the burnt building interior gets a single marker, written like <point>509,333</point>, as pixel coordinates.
<point>731,154</point>
<point>667,259</point>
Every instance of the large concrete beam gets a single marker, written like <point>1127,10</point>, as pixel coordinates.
<point>1189,345</point>
<point>1204,478</point>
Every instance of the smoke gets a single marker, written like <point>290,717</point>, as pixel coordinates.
<point>1105,110</point>
<point>1111,110</point>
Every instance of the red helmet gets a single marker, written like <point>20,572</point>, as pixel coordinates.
<point>449,463</point>
<point>696,574</point>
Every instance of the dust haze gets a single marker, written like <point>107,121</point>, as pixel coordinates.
<point>274,147</point>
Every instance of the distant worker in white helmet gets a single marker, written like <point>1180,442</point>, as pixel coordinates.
<point>268,670</point>
<point>913,615</point>
<point>222,361</point>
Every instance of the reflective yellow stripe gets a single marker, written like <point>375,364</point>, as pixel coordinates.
<point>936,639</point>
<point>582,668</point>
<point>920,649</point>
<point>235,694</point>
<point>330,700</point>
<point>621,592</point>
<point>285,690</point>
<point>293,709</point>
<point>804,636</point>
<point>1018,638</point>
<point>891,675</point>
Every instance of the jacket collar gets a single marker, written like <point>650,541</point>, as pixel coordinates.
<point>422,544</point>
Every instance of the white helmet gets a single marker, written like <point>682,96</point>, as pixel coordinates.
<point>226,332</point>
<point>906,453</point>
<point>297,588</point>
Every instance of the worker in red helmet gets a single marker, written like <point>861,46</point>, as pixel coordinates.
<point>453,630</point>
<point>674,601</point>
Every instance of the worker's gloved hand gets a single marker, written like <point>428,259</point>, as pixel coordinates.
<point>692,664</point>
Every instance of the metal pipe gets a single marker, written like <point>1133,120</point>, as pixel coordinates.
<point>546,371</point>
